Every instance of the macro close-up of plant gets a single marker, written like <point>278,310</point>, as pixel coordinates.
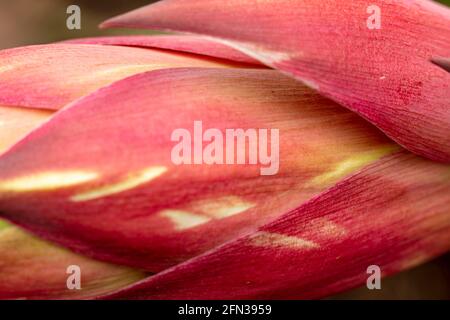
<point>241,149</point>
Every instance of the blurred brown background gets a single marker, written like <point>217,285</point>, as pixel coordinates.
<point>25,22</point>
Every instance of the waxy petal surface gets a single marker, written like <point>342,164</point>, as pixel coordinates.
<point>99,178</point>
<point>393,214</point>
<point>51,76</point>
<point>187,43</point>
<point>383,73</point>
<point>34,269</point>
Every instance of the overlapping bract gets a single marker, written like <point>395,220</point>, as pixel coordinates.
<point>186,43</point>
<point>384,74</point>
<point>125,201</point>
<point>392,214</point>
<point>30,268</point>
<point>96,177</point>
<point>51,76</point>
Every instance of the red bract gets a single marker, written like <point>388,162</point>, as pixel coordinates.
<point>105,161</point>
<point>392,214</point>
<point>86,152</point>
<point>385,74</point>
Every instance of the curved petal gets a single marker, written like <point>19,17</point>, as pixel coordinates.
<point>372,58</point>
<point>187,43</point>
<point>393,214</point>
<point>33,269</point>
<point>51,76</point>
<point>100,177</point>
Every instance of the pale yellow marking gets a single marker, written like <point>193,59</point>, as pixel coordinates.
<point>267,56</point>
<point>6,68</point>
<point>130,182</point>
<point>277,240</point>
<point>108,73</point>
<point>123,70</point>
<point>327,228</point>
<point>352,164</point>
<point>130,69</point>
<point>224,207</point>
<point>45,181</point>
<point>204,211</point>
<point>4,225</point>
<point>257,52</point>
<point>311,84</point>
<point>183,219</point>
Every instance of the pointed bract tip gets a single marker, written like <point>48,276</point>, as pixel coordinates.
<point>444,63</point>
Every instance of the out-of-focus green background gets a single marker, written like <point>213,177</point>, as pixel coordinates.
<point>25,22</point>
